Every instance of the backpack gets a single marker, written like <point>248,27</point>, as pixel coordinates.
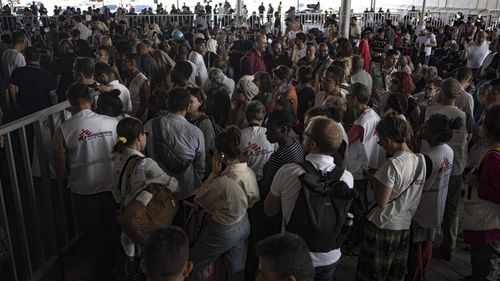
<point>165,153</point>
<point>217,128</point>
<point>321,214</point>
<point>138,219</point>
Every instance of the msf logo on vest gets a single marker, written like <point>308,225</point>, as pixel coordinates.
<point>86,134</point>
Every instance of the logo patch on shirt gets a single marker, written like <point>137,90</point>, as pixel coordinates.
<point>86,134</point>
<point>148,173</point>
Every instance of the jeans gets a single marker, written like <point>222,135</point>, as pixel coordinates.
<point>96,217</point>
<point>450,217</point>
<point>217,239</point>
<point>325,273</point>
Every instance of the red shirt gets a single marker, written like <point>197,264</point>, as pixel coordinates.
<point>364,52</point>
<point>252,62</point>
<point>489,189</point>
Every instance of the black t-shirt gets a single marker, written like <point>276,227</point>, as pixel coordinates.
<point>64,68</point>
<point>272,62</point>
<point>34,85</point>
<point>305,98</point>
<point>218,105</point>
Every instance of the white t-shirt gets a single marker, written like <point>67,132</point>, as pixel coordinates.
<point>465,102</point>
<point>255,148</point>
<point>364,78</point>
<point>201,69</point>
<point>398,173</point>
<point>124,95</point>
<point>426,39</point>
<point>477,54</point>
<point>286,186</point>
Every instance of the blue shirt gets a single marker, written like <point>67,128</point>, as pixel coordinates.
<point>187,142</point>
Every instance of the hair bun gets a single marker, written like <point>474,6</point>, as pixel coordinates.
<point>234,133</point>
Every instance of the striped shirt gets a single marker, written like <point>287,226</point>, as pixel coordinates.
<point>283,155</point>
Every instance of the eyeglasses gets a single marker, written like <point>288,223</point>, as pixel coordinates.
<point>395,82</point>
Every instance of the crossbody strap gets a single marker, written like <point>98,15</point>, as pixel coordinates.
<point>418,168</point>
<point>136,159</point>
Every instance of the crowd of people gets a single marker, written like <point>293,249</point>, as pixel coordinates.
<point>224,118</point>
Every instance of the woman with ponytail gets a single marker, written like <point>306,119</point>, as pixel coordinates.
<point>131,141</point>
<point>225,195</point>
<point>437,131</point>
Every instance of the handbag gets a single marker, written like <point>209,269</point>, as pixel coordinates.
<point>479,214</point>
<point>154,207</point>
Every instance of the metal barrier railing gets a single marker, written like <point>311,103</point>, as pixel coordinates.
<point>492,18</point>
<point>367,19</point>
<point>35,207</point>
<point>435,18</point>
<point>8,23</point>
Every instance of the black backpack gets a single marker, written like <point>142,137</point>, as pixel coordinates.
<point>321,214</point>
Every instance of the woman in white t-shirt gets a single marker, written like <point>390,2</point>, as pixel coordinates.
<point>398,185</point>
<point>437,130</point>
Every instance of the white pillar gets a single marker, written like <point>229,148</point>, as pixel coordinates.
<point>239,6</point>
<point>345,17</point>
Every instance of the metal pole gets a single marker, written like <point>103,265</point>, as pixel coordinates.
<point>423,11</point>
<point>238,7</point>
<point>345,12</point>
